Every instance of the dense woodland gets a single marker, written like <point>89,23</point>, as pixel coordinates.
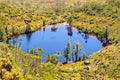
<point>101,17</point>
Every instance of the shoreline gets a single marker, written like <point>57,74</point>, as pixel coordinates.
<point>101,39</point>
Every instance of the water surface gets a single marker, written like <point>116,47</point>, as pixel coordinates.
<point>54,41</point>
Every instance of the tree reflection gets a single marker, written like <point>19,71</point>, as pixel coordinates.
<point>69,28</point>
<point>86,37</point>
<point>70,33</point>
<point>16,42</point>
<point>44,28</point>
<point>28,36</point>
<point>53,29</point>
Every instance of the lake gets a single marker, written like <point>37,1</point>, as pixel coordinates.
<point>52,40</point>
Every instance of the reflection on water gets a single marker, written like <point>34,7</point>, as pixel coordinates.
<point>53,29</point>
<point>54,38</point>
<point>69,28</point>
<point>86,37</point>
<point>28,36</point>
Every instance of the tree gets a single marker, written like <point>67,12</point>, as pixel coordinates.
<point>47,58</point>
<point>40,51</point>
<point>28,29</point>
<point>67,51</point>
<point>75,50</point>
<point>6,30</point>
<point>33,51</point>
<point>28,26</point>
<point>84,56</point>
<point>44,22</point>
<point>70,19</point>
<point>52,58</point>
<point>78,48</point>
<point>13,31</point>
<point>106,34</point>
<point>56,56</point>
<point>3,35</point>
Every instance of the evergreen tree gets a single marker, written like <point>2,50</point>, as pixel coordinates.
<point>28,29</point>
<point>69,20</point>
<point>106,34</point>
<point>75,50</point>
<point>67,51</point>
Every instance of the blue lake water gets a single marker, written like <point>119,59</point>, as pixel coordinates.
<point>54,41</point>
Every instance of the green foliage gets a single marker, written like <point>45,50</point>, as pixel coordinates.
<point>67,52</point>
<point>106,34</point>
<point>32,51</point>
<point>96,8</point>
<point>28,28</point>
<point>70,19</point>
<point>75,50</point>
<point>37,52</point>
<point>52,58</point>
<point>48,58</point>
<point>92,8</point>
<point>84,56</point>
<point>40,51</point>
<point>114,3</point>
<point>3,35</point>
<point>104,64</point>
<point>8,68</point>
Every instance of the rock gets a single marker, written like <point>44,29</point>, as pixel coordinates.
<point>9,54</point>
<point>104,51</point>
<point>88,67</point>
<point>87,62</point>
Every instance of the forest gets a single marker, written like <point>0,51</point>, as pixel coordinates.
<point>94,17</point>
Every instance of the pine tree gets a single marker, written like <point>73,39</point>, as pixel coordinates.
<point>67,52</point>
